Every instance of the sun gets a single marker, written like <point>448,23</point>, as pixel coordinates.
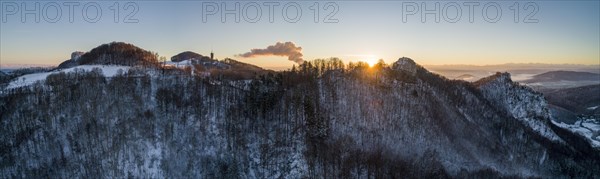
<point>371,62</point>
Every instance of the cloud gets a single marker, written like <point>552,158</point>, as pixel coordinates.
<point>288,49</point>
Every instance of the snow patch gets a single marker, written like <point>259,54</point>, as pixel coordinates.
<point>29,79</point>
<point>589,128</point>
<point>180,64</point>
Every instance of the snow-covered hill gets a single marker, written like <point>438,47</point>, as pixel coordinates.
<point>26,80</point>
<point>320,120</point>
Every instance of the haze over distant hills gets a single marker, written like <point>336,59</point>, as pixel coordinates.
<point>557,76</point>
<point>562,79</point>
<point>519,72</point>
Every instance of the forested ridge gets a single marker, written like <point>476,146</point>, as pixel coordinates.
<point>321,119</point>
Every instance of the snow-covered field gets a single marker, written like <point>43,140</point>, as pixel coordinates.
<point>590,128</point>
<point>26,80</point>
<point>181,64</point>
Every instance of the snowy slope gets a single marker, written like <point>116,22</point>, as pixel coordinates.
<point>192,62</point>
<point>589,128</point>
<point>26,80</point>
<point>180,64</point>
<point>337,126</point>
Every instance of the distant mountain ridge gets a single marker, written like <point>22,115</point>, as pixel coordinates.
<point>466,77</point>
<point>187,55</point>
<point>519,72</point>
<point>556,76</point>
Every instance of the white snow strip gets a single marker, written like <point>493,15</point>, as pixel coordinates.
<point>182,64</point>
<point>542,129</point>
<point>29,79</point>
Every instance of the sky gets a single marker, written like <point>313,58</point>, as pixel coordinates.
<point>555,32</point>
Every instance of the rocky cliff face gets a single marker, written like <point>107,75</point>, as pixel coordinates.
<point>520,102</point>
<point>407,65</point>
<point>76,55</point>
<point>399,122</point>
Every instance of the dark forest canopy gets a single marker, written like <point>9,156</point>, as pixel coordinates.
<point>115,53</point>
<point>188,55</point>
<point>119,53</point>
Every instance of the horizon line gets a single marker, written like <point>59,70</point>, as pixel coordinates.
<point>30,65</point>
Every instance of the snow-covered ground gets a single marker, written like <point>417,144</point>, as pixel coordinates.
<point>26,80</point>
<point>192,62</point>
<point>590,128</point>
<point>181,64</point>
